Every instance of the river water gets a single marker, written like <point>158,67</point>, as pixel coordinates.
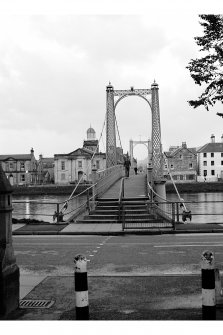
<point>40,207</point>
<point>205,207</point>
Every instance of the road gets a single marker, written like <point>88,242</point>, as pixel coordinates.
<point>130,255</point>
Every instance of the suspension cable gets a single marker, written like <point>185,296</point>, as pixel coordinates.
<point>118,132</point>
<point>174,184</point>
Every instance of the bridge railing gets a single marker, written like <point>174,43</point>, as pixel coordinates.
<point>106,178</point>
<point>70,209</point>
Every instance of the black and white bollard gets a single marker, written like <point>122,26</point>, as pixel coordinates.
<point>208,286</point>
<point>81,288</point>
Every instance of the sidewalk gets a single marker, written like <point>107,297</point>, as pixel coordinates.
<point>109,229</point>
<point>120,298</point>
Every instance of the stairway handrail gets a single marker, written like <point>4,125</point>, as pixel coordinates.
<point>120,203</point>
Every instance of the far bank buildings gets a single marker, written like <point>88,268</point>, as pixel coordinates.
<point>204,164</point>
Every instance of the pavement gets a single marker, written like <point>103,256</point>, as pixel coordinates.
<point>168,297</point>
<point>173,297</point>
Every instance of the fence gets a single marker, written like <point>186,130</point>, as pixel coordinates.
<point>69,209</point>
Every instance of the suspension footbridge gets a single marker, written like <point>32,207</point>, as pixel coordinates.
<point>138,202</point>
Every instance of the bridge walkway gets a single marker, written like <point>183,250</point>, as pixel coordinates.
<point>134,186</point>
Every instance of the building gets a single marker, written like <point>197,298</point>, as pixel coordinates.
<point>45,170</point>
<point>20,169</point>
<point>182,163</point>
<point>76,165</point>
<point>210,161</point>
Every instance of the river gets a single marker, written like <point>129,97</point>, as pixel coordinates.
<point>205,207</point>
<point>40,207</point>
<point>209,208</point>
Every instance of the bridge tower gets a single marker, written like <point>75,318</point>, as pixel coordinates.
<point>148,144</point>
<point>152,98</point>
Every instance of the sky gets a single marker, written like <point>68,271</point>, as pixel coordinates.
<point>55,65</point>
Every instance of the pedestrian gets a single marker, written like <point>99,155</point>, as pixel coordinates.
<point>127,165</point>
<point>135,165</point>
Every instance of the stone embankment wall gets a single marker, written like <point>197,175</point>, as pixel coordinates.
<point>48,190</point>
<point>195,187</point>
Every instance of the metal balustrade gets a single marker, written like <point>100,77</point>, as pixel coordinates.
<point>70,209</point>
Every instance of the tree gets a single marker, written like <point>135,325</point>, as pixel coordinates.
<point>208,70</point>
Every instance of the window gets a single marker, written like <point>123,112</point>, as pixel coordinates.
<point>175,177</point>
<point>181,177</point>
<point>171,166</point>
<point>97,164</point>
<point>62,176</point>
<point>221,162</point>
<point>11,165</point>
<point>22,177</point>
<point>205,173</point>
<point>22,165</point>
<point>62,165</point>
<point>165,166</point>
<point>212,154</point>
<point>212,162</point>
<point>212,172</point>
<point>80,164</point>
<point>191,177</point>
<point>204,154</point>
<point>221,154</point>
<point>190,165</point>
<point>205,163</point>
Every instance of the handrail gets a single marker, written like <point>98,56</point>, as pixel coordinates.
<point>120,202</point>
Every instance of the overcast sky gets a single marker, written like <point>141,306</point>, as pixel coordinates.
<point>54,70</point>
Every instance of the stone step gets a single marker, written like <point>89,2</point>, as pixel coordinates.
<point>100,217</point>
<point>96,221</point>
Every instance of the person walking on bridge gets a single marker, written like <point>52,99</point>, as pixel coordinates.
<point>135,165</point>
<point>127,165</point>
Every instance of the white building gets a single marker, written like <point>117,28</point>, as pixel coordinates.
<point>210,161</point>
<point>71,167</point>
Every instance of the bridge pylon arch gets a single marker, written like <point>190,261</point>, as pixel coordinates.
<point>152,97</point>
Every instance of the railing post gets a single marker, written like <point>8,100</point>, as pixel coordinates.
<point>88,201</point>
<point>173,214</point>
<point>81,288</point>
<point>94,180</point>
<point>58,212</point>
<point>178,215</point>
<point>208,286</point>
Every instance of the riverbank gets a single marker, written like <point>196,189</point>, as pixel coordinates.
<point>68,189</point>
<point>195,187</point>
<point>49,189</point>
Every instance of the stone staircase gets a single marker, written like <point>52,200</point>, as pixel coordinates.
<point>135,210</point>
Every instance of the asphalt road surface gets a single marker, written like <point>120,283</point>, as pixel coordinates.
<point>129,255</point>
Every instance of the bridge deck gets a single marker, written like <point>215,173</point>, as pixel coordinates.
<point>134,186</point>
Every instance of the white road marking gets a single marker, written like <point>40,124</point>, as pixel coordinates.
<point>188,245</point>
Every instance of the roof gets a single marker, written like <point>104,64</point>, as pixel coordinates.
<point>80,152</point>
<point>193,151</point>
<point>212,147</point>
<point>16,157</point>
<point>91,130</point>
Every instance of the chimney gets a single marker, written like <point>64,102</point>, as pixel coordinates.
<point>212,138</point>
<point>184,145</point>
<point>32,151</point>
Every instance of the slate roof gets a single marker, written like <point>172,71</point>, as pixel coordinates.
<point>212,147</point>
<point>79,152</point>
<point>16,157</point>
<point>175,152</point>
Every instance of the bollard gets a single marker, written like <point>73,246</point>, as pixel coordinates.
<point>208,286</point>
<point>218,289</point>
<point>81,288</point>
